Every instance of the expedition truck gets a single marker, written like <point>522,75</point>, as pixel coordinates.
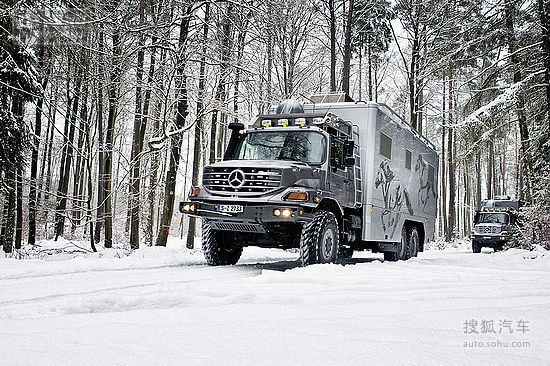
<point>493,223</point>
<point>328,177</point>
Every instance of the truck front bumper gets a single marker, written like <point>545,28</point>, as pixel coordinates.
<point>254,218</point>
<point>490,240</point>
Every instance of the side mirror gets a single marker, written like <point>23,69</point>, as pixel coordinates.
<point>349,146</point>
<point>236,129</point>
<point>349,161</point>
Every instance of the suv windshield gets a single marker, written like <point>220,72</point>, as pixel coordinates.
<point>493,218</point>
<point>304,146</point>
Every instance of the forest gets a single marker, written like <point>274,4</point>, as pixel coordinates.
<point>109,109</point>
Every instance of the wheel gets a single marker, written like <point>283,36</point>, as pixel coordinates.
<point>499,247</point>
<point>319,239</point>
<point>476,247</point>
<point>218,247</point>
<point>402,252</point>
<point>413,242</point>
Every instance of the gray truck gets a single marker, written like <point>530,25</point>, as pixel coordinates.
<point>493,223</point>
<point>327,177</point>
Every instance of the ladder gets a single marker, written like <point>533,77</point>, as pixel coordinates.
<point>357,168</point>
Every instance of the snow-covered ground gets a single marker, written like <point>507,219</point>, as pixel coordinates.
<point>163,306</point>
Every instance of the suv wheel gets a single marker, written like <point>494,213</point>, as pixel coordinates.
<point>319,239</point>
<point>218,247</point>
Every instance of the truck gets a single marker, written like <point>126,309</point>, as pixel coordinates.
<point>327,177</point>
<point>493,223</point>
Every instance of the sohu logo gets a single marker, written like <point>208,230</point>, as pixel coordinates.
<point>236,178</point>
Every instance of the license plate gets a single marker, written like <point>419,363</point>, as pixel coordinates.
<point>229,208</point>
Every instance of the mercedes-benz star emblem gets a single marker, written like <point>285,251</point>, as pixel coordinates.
<point>236,178</point>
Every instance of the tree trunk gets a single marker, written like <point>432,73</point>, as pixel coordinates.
<point>451,164</point>
<point>225,55</point>
<point>65,170</point>
<point>79,166</point>
<point>444,217</point>
<point>43,62</point>
<point>137,142</point>
<point>544,15</point>
<point>332,12</point>
<point>176,140</point>
<point>510,12</point>
<point>412,80</point>
<point>347,49</point>
<point>199,124</point>
<point>111,120</point>
<point>19,209</point>
<point>490,169</point>
<point>478,180</point>
<point>8,222</point>
<point>101,143</point>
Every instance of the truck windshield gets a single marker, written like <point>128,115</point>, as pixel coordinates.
<point>493,218</point>
<point>305,146</point>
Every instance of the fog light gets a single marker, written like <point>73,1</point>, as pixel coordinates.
<point>186,207</point>
<point>286,213</point>
<point>277,212</point>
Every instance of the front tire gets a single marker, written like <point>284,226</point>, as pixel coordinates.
<point>218,247</point>
<point>476,247</point>
<point>319,239</point>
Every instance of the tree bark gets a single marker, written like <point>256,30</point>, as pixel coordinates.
<point>199,124</point>
<point>109,138</point>
<point>332,14</point>
<point>510,9</point>
<point>65,170</point>
<point>176,140</point>
<point>137,143</point>
<point>347,49</point>
<point>43,62</point>
<point>101,143</point>
<point>451,164</point>
<point>225,55</point>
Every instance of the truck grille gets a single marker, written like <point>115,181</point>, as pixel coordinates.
<point>247,181</point>
<point>485,229</point>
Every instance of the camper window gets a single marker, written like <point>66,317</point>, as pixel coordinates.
<point>408,159</point>
<point>385,145</point>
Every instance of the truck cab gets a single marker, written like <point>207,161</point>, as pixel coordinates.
<point>493,223</point>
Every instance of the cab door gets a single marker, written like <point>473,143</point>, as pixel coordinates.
<point>340,178</point>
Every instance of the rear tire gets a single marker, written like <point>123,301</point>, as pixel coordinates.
<point>319,239</point>
<point>402,248</point>
<point>476,247</point>
<point>413,242</point>
<point>218,247</point>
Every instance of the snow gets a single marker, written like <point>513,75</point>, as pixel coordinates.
<point>165,306</point>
